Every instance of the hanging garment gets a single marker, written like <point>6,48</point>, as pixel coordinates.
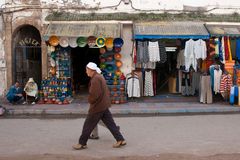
<point>142,52</point>
<point>149,65</point>
<point>163,53</point>
<point>217,42</point>
<point>195,82</point>
<point>148,84</point>
<point>180,59</point>
<point>211,48</point>
<point>205,89</point>
<point>217,80</point>
<point>134,53</point>
<point>179,81</point>
<point>233,44</point>
<point>211,71</point>
<point>238,49</point>
<point>222,53</point>
<point>225,85</point>
<point>229,49</point>
<point>200,49</point>
<point>153,50</point>
<point>133,87</point>
<point>189,55</point>
<point>226,47</point>
<point>186,84</point>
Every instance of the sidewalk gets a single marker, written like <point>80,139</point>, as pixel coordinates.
<point>128,109</point>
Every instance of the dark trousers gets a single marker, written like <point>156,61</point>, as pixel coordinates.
<point>29,98</point>
<point>92,120</point>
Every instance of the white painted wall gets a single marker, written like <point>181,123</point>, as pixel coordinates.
<point>228,6</point>
<point>127,49</point>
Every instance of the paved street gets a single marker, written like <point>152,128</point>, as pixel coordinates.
<point>176,136</point>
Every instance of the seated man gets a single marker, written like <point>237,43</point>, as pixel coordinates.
<point>14,94</point>
<point>31,91</point>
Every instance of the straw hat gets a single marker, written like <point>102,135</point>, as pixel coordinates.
<point>82,41</point>
<point>73,42</point>
<point>118,42</point>
<point>91,41</point>
<point>53,40</point>
<point>100,41</point>
<point>109,42</point>
<point>64,42</point>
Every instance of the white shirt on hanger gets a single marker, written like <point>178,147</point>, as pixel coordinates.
<point>200,49</point>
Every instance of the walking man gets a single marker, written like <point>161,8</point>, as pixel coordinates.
<point>99,103</point>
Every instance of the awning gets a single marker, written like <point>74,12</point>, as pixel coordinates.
<point>170,30</point>
<point>217,30</point>
<point>83,29</point>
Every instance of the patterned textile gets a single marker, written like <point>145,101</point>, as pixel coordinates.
<point>186,84</point>
<point>153,50</point>
<point>142,52</point>
<point>217,80</point>
<point>162,50</point>
<point>148,84</point>
<point>226,83</point>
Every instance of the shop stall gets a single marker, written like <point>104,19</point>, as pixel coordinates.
<point>167,58</point>
<point>70,48</point>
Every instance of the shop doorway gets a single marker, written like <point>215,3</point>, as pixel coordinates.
<point>80,56</point>
<point>27,55</point>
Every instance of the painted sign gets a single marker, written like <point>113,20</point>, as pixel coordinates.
<point>29,42</point>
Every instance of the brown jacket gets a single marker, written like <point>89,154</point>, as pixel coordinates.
<point>98,94</point>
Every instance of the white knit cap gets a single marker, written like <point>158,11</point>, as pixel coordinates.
<point>94,67</point>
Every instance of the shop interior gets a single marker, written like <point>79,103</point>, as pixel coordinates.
<point>80,56</point>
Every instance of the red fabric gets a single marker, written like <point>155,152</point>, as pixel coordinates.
<point>226,48</point>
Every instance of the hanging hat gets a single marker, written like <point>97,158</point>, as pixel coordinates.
<point>73,42</point>
<point>118,42</point>
<point>64,42</point>
<point>100,42</point>
<point>53,40</point>
<point>117,49</point>
<point>91,41</point>
<point>118,63</point>
<point>117,56</point>
<point>82,41</point>
<point>109,42</point>
<point>102,50</point>
<point>110,67</point>
<point>94,67</point>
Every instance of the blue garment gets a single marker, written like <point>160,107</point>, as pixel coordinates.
<point>11,95</point>
<point>238,48</point>
<point>220,50</point>
<point>211,71</point>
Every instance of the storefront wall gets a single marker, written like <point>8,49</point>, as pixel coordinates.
<point>3,76</point>
<point>127,48</point>
<point>11,28</point>
<point>13,21</point>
